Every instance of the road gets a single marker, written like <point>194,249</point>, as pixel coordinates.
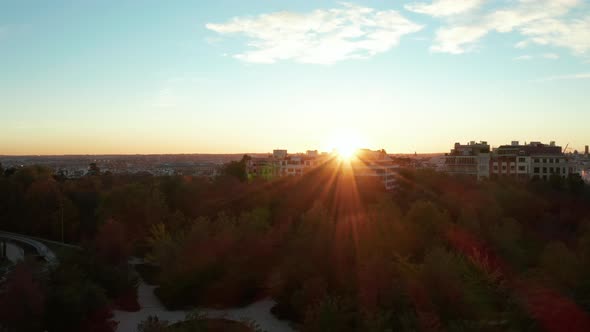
<point>39,247</point>
<point>14,253</point>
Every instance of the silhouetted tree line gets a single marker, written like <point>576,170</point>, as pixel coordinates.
<point>336,252</point>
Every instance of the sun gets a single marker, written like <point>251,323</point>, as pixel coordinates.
<point>345,144</point>
<point>346,152</point>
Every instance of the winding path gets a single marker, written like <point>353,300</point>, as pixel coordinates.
<point>259,312</point>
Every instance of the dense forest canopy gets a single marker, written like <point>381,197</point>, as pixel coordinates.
<point>336,252</point>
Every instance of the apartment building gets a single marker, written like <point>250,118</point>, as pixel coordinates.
<point>366,163</point>
<point>533,160</point>
<point>471,159</point>
<point>280,163</point>
<point>378,164</point>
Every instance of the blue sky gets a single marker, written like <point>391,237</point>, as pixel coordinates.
<point>250,76</point>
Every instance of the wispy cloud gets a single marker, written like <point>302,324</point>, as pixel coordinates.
<point>547,56</point>
<point>542,22</point>
<point>440,8</point>
<point>324,36</point>
<point>578,76</point>
<point>523,57</point>
<point>550,56</point>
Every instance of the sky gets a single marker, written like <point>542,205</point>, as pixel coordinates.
<point>234,76</point>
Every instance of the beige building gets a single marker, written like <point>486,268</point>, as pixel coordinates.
<point>378,164</point>
<point>533,160</point>
<point>471,159</point>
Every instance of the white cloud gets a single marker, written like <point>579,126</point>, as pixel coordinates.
<point>457,40</point>
<point>524,57</point>
<point>573,34</point>
<point>550,56</point>
<point>542,22</point>
<point>320,37</point>
<point>567,77</point>
<point>444,7</point>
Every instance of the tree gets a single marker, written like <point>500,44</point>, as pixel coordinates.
<point>153,324</point>
<point>330,315</point>
<point>237,169</point>
<point>111,243</point>
<point>561,264</point>
<point>162,247</point>
<point>75,302</point>
<point>93,169</point>
<point>22,302</point>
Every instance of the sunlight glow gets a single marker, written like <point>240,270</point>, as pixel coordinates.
<point>345,144</point>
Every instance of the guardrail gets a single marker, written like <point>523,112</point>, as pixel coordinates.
<point>41,249</point>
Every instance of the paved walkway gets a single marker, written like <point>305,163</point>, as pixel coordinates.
<point>258,312</point>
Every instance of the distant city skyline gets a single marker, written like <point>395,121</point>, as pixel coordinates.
<point>234,76</point>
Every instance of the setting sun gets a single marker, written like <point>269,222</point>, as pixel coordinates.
<point>346,152</point>
<point>345,143</point>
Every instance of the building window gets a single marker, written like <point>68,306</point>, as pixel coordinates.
<point>521,160</point>
<point>544,169</point>
<point>512,168</point>
<point>551,170</point>
<point>551,160</point>
<point>503,167</point>
<point>521,168</point>
<point>536,160</point>
<point>557,160</point>
<point>544,160</point>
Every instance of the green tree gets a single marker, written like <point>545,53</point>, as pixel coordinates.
<point>560,264</point>
<point>73,300</point>
<point>237,169</point>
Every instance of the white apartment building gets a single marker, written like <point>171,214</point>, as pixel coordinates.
<point>280,163</point>
<point>533,160</point>
<point>366,163</point>
<point>471,159</point>
<point>379,164</point>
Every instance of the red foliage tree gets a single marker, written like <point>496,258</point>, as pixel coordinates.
<point>22,302</point>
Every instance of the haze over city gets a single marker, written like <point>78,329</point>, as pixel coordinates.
<point>233,76</point>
